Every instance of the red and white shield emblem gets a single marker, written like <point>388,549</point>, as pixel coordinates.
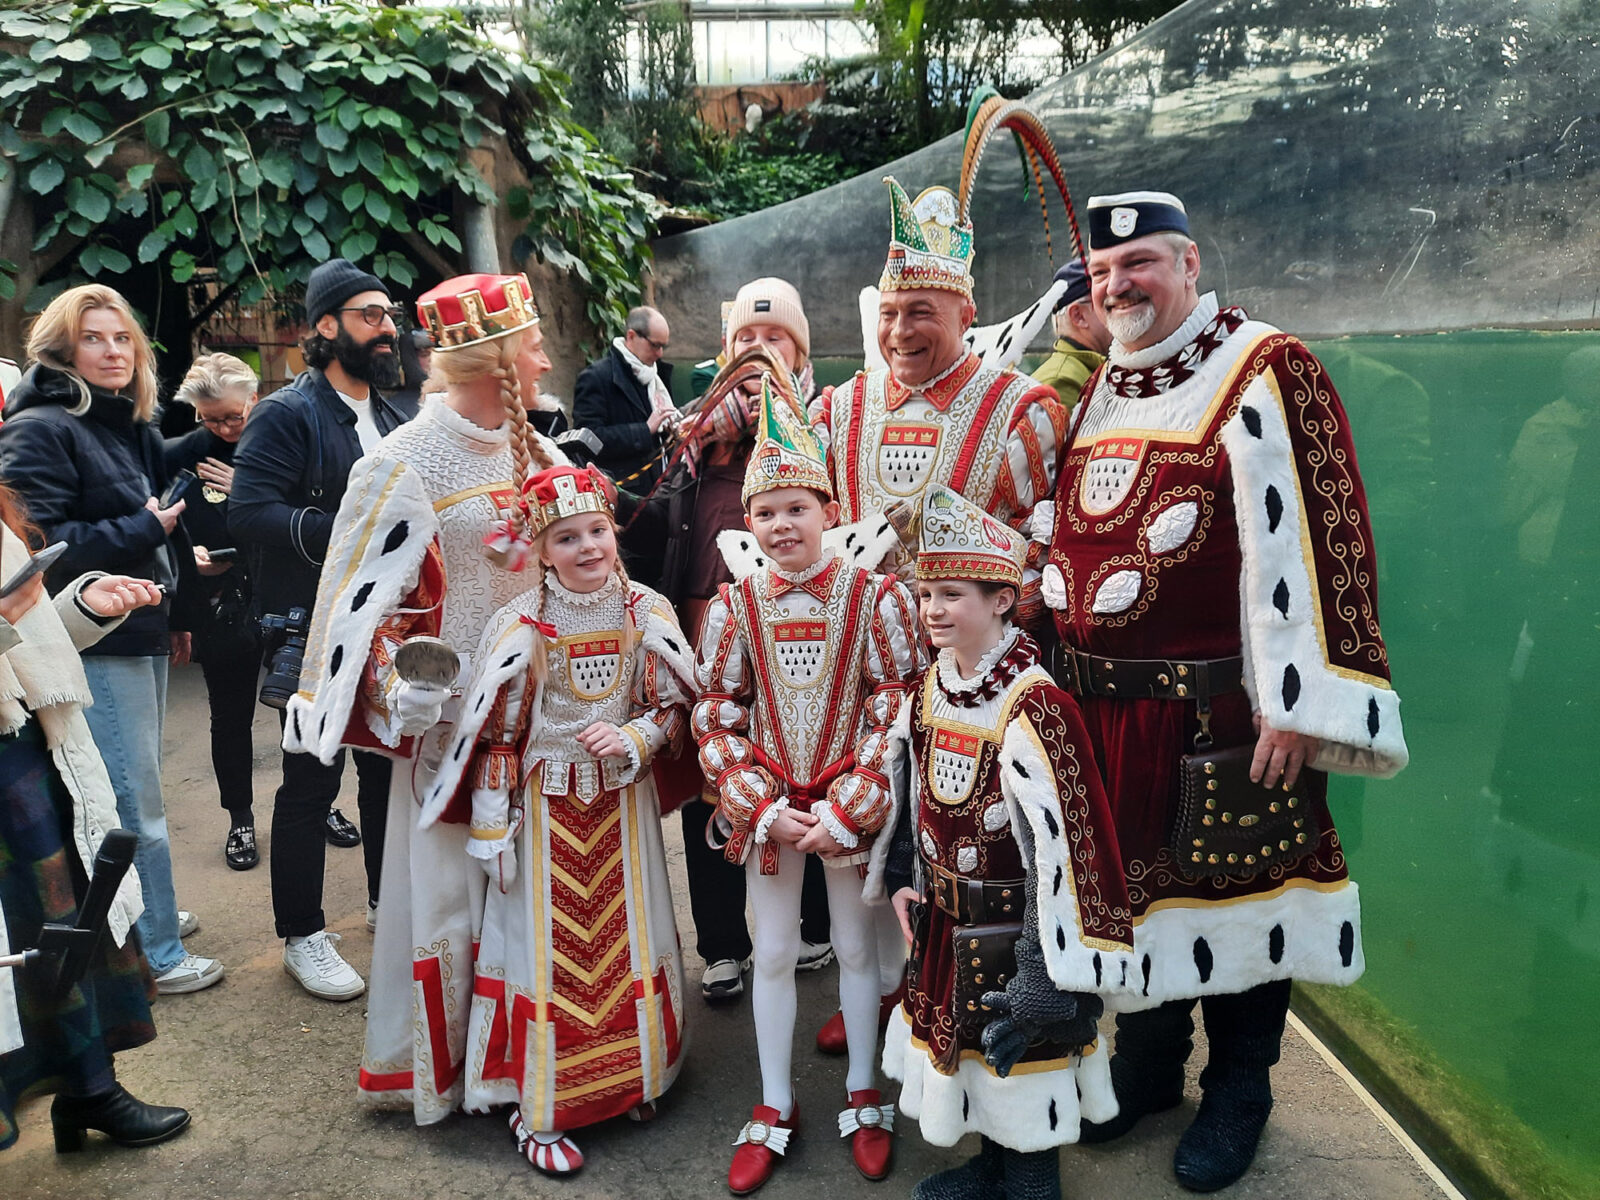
<point>1113,466</point>
<point>907,454</point>
<point>594,664</point>
<point>801,648</point>
<point>955,764</point>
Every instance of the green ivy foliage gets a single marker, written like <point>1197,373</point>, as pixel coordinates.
<point>297,132</point>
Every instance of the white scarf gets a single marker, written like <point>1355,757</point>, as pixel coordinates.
<point>42,672</point>
<point>648,377</point>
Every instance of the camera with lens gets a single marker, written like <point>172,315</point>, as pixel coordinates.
<point>284,639</point>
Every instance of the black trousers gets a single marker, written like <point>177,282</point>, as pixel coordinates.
<point>300,834</point>
<point>231,691</point>
<point>716,893</point>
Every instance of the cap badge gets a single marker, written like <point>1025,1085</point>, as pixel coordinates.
<point>1123,220</point>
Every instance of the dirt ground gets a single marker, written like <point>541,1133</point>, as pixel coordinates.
<point>269,1073</point>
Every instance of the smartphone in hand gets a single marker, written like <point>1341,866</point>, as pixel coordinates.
<point>36,564</point>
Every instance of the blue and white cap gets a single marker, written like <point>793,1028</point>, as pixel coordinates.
<point>1128,215</point>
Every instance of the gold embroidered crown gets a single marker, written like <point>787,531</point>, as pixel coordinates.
<point>477,308</point>
<point>786,454</point>
<point>930,245</point>
<point>559,492</point>
<point>961,541</point>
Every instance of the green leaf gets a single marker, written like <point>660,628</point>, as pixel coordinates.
<point>47,176</point>
<point>204,195</point>
<point>89,259</point>
<point>277,168</point>
<point>172,9</point>
<point>316,207</point>
<point>371,155</point>
<point>378,208</point>
<point>332,136</point>
<point>135,88</point>
<point>349,115</point>
<point>185,221</point>
<point>353,196</point>
<point>375,75</point>
<point>156,56</point>
<point>195,24</point>
<point>77,50</point>
<point>157,128</point>
<point>115,260</point>
<point>91,204</point>
<point>83,128</point>
<point>134,204</point>
<point>289,75</point>
<point>198,164</point>
<point>317,246</point>
<point>99,152</point>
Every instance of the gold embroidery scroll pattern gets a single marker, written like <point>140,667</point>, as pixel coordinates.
<point>1150,565</point>
<point>1052,733</point>
<point>1333,480</point>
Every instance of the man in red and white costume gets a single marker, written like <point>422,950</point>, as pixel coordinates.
<point>1213,576</point>
<point>935,415</point>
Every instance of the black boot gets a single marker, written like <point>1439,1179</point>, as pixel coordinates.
<point>1034,1176</point>
<point>126,1121</point>
<point>1147,1069</point>
<point>979,1178</point>
<point>1245,1033</point>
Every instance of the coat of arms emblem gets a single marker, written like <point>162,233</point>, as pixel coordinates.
<point>594,665</point>
<point>1113,465</point>
<point>802,650</point>
<point>907,453</point>
<point>955,764</point>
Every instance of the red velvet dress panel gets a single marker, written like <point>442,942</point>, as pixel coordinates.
<point>1188,604</point>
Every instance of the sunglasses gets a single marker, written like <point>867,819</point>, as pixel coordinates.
<point>373,314</point>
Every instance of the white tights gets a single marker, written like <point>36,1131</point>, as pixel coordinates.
<point>775,903</point>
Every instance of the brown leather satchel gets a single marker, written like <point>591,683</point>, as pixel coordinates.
<point>984,957</point>
<point>1227,825</point>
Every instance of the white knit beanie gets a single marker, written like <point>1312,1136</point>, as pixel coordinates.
<point>770,301</point>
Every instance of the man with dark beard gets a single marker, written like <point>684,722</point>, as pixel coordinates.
<point>289,477</point>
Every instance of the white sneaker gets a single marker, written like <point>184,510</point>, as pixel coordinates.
<point>724,979</point>
<point>188,923</point>
<point>317,967</point>
<point>192,974</point>
<point>814,956</point>
<point>372,916</point>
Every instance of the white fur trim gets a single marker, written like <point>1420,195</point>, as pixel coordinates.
<point>1030,1110</point>
<point>383,529</point>
<point>1239,943</point>
<point>1002,345</point>
<point>505,653</point>
<point>863,544</point>
<point>902,775</point>
<point>1031,788</point>
<point>740,552</point>
<point>660,634</point>
<point>1287,674</point>
<point>867,305</point>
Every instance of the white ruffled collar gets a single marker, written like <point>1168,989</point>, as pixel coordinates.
<point>810,573</point>
<point>1204,311</point>
<point>469,434</point>
<point>605,591</point>
<point>950,677</point>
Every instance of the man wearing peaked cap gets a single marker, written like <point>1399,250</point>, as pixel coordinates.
<point>1213,579</point>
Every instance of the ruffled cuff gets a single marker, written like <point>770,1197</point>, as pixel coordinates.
<point>826,812</point>
<point>765,818</point>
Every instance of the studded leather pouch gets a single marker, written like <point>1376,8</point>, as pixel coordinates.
<point>1227,825</point>
<point>984,958</point>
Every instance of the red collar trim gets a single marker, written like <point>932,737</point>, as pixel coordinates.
<point>942,393</point>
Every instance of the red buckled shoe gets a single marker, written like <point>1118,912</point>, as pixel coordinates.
<point>831,1038</point>
<point>868,1123</point>
<point>760,1144</point>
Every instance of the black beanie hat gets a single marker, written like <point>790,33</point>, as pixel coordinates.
<point>334,282</point>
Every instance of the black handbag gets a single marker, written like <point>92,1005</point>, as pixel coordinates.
<point>1227,825</point>
<point>983,958</point>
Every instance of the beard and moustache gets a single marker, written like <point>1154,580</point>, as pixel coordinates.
<point>1128,327</point>
<point>363,362</point>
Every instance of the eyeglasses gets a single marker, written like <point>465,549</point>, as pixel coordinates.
<point>232,422</point>
<point>373,314</point>
<point>658,347</point>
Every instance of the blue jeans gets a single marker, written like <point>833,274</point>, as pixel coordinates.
<point>130,699</point>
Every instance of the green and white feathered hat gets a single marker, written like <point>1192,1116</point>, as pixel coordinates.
<point>786,453</point>
<point>930,245</point>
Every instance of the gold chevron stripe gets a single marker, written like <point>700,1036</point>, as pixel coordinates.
<point>603,1011</point>
<point>598,1085</point>
<point>565,1063</point>
<point>590,977</point>
<point>582,846</point>
<point>587,891</point>
<point>586,932</point>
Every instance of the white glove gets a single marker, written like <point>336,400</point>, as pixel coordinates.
<point>418,706</point>
<point>502,868</point>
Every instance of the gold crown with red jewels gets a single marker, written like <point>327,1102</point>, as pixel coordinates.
<point>559,492</point>
<point>961,541</point>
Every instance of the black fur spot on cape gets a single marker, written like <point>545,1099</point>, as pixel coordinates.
<point>1097,968</point>
<point>1056,889</point>
<point>1203,961</point>
<point>1291,687</point>
<point>1347,943</point>
<point>361,596</point>
<point>335,661</point>
<point>1061,937</point>
<point>1275,944</point>
<point>1052,1114</point>
<point>1145,968</point>
<point>1372,716</point>
<point>1251,419</point>
<point>1018,768</point>
<point>1274,509</point>
<point>397,537</point>
<point>1280,598</point>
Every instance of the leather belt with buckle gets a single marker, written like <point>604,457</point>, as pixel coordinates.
<point>974,901</point>
<point>1148,678</point>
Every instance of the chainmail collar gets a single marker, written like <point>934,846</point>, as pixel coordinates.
<point>1014,653</point>
<point>1140,374</point>
<point>604,592</point>
<point>468,434</point>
